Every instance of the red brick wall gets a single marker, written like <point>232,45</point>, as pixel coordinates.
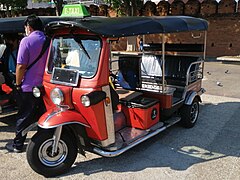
<point>223,17</point>
<point>208,7</point>
<point>177,7</point>
<point>163,8</point>
<point>227,6</point>
<point>192,8</point>
<point>223,36</point>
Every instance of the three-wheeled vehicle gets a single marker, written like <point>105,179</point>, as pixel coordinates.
<point>86,113</point>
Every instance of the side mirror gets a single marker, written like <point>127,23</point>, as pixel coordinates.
<point>2,49</point>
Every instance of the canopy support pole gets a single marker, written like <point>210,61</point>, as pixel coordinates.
<point>205,49</point>
<point>163,63</point>
<point>110,55</point>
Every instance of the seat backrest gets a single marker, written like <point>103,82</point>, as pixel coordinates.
<point>151,66</point>
<point>129,67</point>
<point>177,66</point>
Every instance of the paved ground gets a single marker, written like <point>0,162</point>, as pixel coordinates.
<point>210,150</point>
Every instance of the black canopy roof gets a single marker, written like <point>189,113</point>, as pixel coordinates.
<point>133,25</point>
<point>16,24</point>
<point>112,27</point>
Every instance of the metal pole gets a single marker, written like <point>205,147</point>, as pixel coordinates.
<point>110,55</point>
<point>163,63</point>
<point>204,50</point>
<point>56,139</point>
<point>205,46</point>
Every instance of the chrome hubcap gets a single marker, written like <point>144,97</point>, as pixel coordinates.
<point>45,153</point>
<point>194,112</point>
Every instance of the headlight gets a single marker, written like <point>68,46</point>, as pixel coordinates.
<point>56,96</point>
<point>93,98</point>
<point>85,100</point>
<point>38,91</point>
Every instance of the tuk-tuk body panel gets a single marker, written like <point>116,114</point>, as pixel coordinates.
<point>195,86</point>
<point>102,73</point>
<point>55,117</point>
<point>67,91</point>
<point>94,115</point>
<point>164,99</point>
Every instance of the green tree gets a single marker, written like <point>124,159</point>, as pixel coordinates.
<point>14,5</point>
<point>126,7</point>
<point>58,3</point>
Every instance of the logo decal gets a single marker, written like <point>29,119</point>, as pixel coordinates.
<point>154,113</point>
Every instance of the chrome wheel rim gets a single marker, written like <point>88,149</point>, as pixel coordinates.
<point>194,112</point>
<point>45,153</point>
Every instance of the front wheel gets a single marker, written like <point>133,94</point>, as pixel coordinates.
<point>41,159</point>
<point>189,114</point>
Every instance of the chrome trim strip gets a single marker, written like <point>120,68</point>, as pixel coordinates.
<point>188,71</point>
<point>55,112</point>
<point>180,101</point>
<point>120,151</point>
<point>63,124</point>
<point>140,140</point>
<point>109,120</point>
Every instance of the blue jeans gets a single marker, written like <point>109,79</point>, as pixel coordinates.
<point>30,110</point>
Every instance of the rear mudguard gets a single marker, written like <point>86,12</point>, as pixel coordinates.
<point>57,117</point>
<point>191,96</point>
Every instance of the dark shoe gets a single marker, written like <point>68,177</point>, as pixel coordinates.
<point>12,148</point>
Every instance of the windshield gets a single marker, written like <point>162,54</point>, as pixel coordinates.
<point>76,52</point>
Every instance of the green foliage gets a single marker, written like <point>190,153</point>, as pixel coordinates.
<point>126,7</point>
<point>20,4</point>
<point>58,4</point>
<point>14,4</point>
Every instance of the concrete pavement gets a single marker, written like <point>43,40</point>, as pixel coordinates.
<point>209,151</point>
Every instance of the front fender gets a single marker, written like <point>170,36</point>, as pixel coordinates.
<point>56,117</point>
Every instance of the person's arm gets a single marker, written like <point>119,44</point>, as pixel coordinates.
<point>22,61</point>
<point>20,71</point>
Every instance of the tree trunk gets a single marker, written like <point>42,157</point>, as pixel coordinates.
<point>59,4</point>
<point>134,8</point>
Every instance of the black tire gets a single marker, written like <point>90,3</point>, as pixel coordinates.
<point>40,159</point>
<point>189,114</point>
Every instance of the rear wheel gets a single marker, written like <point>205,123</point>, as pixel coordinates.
<point>41,159</point>
<point>189,114</point>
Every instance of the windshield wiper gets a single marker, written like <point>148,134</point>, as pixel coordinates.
<point>83,48</point>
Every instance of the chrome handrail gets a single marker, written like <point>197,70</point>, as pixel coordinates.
<point>195,72</point>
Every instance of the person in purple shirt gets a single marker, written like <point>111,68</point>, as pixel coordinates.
<point>30,107</point>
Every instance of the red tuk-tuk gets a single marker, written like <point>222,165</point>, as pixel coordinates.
<point>86,113</point>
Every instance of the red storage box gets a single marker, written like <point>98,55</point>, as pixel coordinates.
<point>141,112</point>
